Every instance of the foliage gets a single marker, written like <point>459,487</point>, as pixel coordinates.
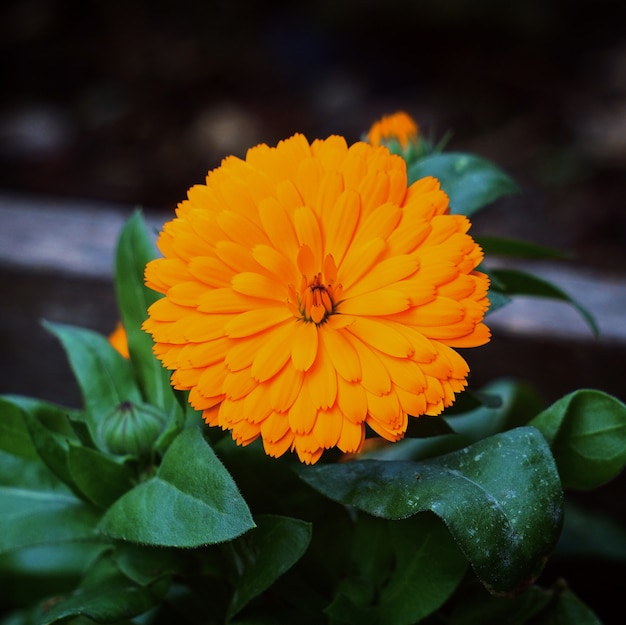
<point>162,520</point>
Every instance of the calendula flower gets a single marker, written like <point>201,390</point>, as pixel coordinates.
<point>309,292</point>
<point>399,127</point>
<point>119,341</point>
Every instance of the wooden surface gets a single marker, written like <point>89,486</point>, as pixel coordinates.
<point>56,263</point>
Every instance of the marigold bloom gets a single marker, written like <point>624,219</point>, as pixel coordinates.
<point>119,340</point>
<point>399,127</point>
<point>309,292</point>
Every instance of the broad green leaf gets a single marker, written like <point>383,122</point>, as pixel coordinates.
<point>104,376</point>
<point>566,607</point>
<point>14,435</point>
<point>511,282</point>
<point>51,449</point>
<point>587,433</point>
<point>36,508</point>
<point>106,595</point>
<point>415,568</point>
<point>134,250</point>
<point>471,182</point>
<point>99,477</point>
<point>497,300</point>
<point>500,246</point>
<point>590,533</point>
<point>30,574</point>
<point>265,553</point>
<point>144,565</point>
<point>192,500</point>
<point>500,498</point>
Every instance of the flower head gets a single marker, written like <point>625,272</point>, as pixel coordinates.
<point>399,127</point>
<point>309,292</point>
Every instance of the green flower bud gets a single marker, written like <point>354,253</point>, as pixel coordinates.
<point>131,429</point>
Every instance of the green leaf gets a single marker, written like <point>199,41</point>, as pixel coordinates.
<point>566,607</point>
<point>106,595</point>
<point>36,508</point>
<point>403,571</point>
<point>500,246</point>
<point>588,533</point>
<point>518,405</point>
<point>587,433</point>
<point>105,377</point>
<point>99,477</point>
<point>192,500</point>
<point>14,435</point>
<point>470,181</point>
<point>500,498</point>
<point>265,553</point>
<point>134,250</point>
<point>512,282</point>
<point>30,574</point>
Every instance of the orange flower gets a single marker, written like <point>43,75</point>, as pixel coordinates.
<point>118,339</point>
<point>309,293</point>
<point>398,127</point>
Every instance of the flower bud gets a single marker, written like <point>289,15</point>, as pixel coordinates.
<point>131,429</point>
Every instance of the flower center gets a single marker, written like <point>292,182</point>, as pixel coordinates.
<point>316,298</point>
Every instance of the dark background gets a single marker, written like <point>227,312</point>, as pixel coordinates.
<point>132,102</point>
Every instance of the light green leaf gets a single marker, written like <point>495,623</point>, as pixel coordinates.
<point>105,378</point>
<point>98,476</point>
<point>265,553</point>
<point>587,433</point>
<point>511,282</point>
<point>470,181</point>
<point>500,498</point>
<point>134,250</point>
<point>192,500</point>
<point>36,508</point>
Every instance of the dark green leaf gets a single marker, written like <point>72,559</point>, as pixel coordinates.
<point>500,498</point>
<point>14,435</point>
<point>470,181</point>
<point>512,282</point>
<point>518,405</point>
<point>30,574</point>
<point>36,508</point>
<point>134,250</point>
<point>104,376</point>
<point>425,426</point>
<point>415,568</point>
<point>191,501</point>
<point>587,433</point>
<point>567,608</point>
<point>144,565</point>
<point>98,476</point>
<point>265,553</point>
<point>105,596</point>
<point>589,533</point>
<point>52,450</point>
<point>500,246</point>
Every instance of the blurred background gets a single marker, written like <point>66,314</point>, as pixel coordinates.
<point>107,105</point>
<point>134,101</point>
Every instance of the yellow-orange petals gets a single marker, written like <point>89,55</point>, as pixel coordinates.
<point>119,341</point>
<point>398,127</point>
<point>309,293</point>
